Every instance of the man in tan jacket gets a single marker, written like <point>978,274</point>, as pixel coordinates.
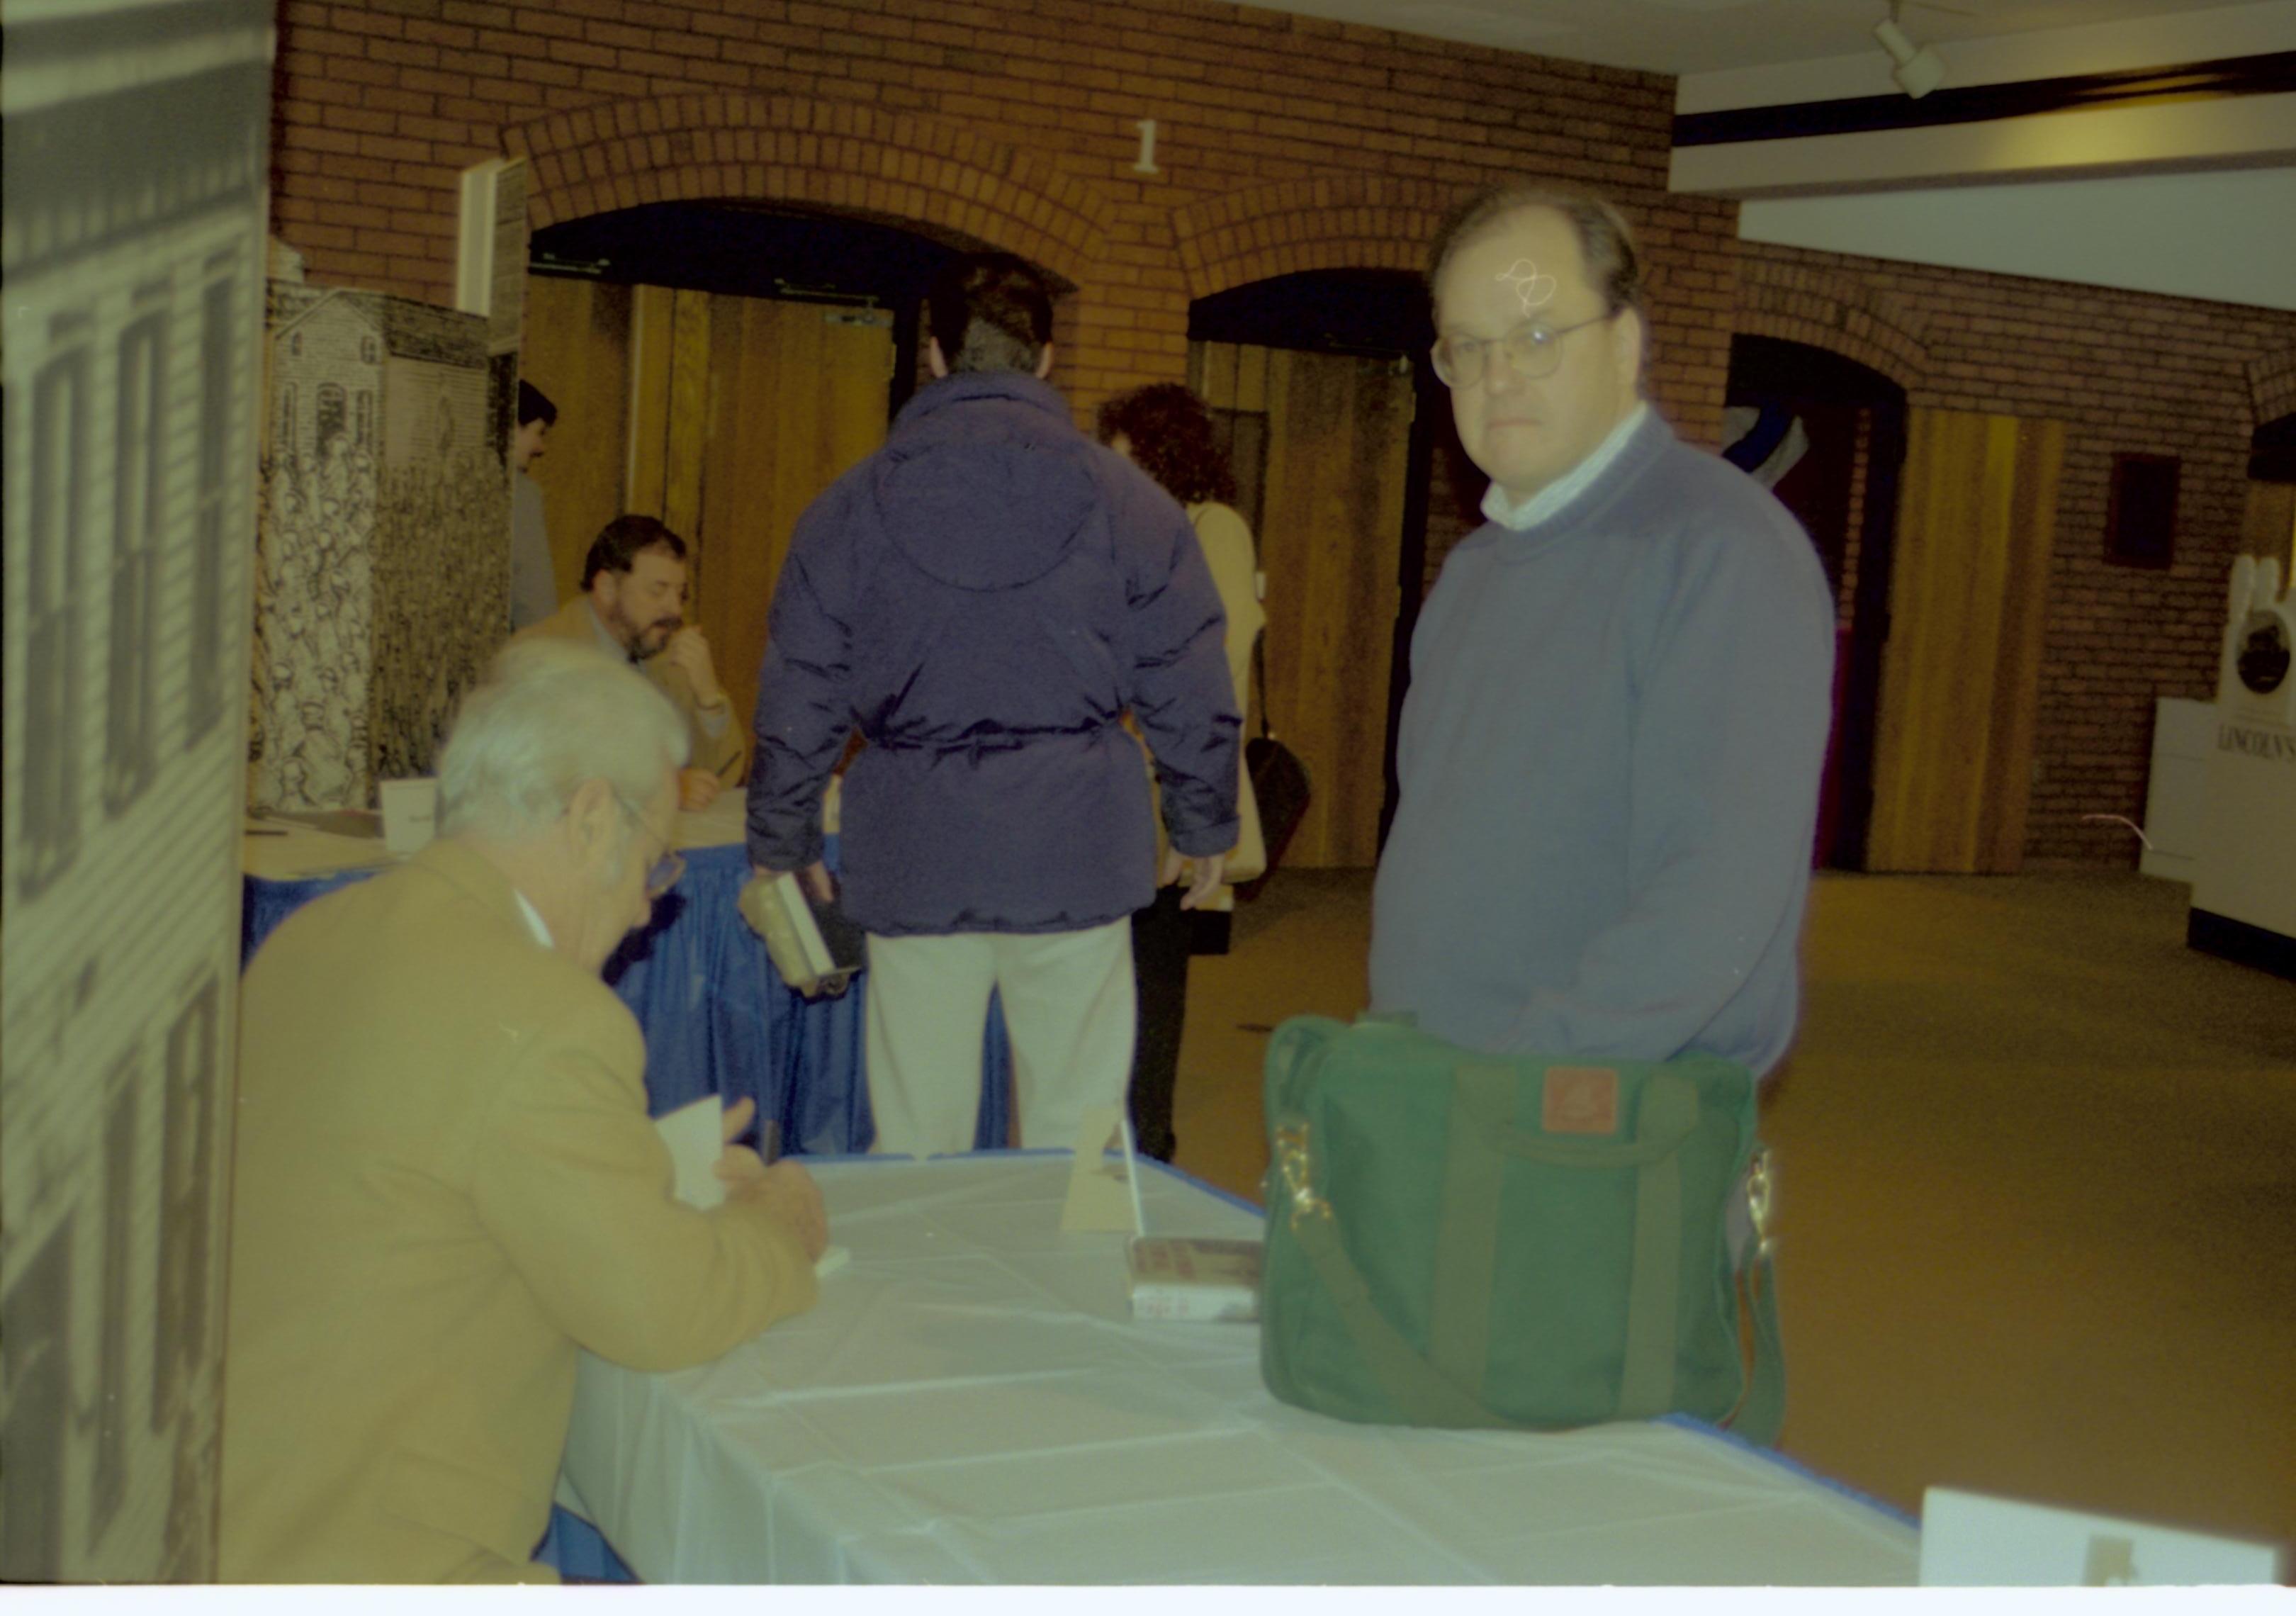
<point>445,1181</point>
<point>633,604</point>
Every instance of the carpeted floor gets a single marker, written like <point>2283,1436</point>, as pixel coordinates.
<point>2038,1184</point>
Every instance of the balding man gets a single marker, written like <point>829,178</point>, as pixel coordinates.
<point>1620,688</point>
<point>446,1180</point>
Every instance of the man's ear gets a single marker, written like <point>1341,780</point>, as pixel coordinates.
<point>594,824</point>
<point>1629,347</point>
<point>1044,362</point>
<point>937,359</point>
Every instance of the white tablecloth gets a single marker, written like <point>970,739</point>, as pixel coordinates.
<point>972,1402</point>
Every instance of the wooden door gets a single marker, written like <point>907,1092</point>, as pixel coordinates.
<point>797,395</point>
<point>2268,525</point>
<point>1330,512</point>
<point>1969,610</point>
<point>724,416</point>
<point>578,351</point>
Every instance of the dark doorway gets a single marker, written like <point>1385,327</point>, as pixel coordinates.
<point>754,250</point>
<point>1373,314</point>
<point>2272,451</point>
<point>1828,436</point>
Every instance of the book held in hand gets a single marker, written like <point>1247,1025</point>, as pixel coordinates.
<point>811,941</point>
<point>1194,1280</point>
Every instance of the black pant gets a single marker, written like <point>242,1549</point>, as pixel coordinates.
<point>1159,975</point>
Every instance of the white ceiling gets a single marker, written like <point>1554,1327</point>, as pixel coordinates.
<point>1762,53</point>
<point>1708,36</point>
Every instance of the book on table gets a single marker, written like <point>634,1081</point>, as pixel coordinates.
<point>1194,1279</point>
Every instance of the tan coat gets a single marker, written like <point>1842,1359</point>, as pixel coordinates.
<point>446,1183</point>
<point>724,755</point>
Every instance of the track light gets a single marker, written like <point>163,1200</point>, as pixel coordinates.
<point>1919,69</point>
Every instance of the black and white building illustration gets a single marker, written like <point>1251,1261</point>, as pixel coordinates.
<point>133,249</point>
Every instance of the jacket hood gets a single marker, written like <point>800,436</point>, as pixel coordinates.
<point>985,483</point>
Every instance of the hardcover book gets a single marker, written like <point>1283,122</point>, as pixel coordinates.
<point>1194,1280</point>
<point>812,942</point>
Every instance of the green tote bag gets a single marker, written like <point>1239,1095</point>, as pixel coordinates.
<point>1460,1239</point>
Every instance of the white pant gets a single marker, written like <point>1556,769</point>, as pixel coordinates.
<point>1069,1013</point>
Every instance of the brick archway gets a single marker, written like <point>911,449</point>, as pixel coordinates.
<point>1834,312</point>
<point>2272,384</point>
<point>913,171</point>
<point>1346,222</point>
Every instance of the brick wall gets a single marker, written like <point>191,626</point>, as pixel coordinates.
<point>1286,142</point>
<point>2127,372</point>
<point>1853,528</point>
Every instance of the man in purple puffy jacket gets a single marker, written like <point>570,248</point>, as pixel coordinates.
<point>986,598</point>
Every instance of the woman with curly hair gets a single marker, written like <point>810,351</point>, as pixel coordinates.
<point>1167,431</point>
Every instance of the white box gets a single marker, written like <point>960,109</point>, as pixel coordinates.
<point>1969,1540</point>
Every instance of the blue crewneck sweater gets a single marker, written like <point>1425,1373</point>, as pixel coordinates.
<point>1609,761</point>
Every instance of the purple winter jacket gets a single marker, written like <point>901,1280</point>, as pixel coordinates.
<point>984,598</point>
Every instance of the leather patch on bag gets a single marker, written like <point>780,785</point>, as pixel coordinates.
<point>1580,1099</point>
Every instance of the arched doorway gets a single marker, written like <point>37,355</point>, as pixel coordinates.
<point>1827,435</point>
<point>1337,429</point>
<point>717,364</point>
<point>2269,527</point>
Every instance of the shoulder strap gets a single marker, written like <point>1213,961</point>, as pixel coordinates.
<point>1260,678</point>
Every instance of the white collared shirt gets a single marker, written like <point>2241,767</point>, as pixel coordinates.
<point>607,643</point>
<point>533,920</point>
<point>1549,501</point>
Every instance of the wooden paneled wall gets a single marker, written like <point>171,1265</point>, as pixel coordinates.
<point>1338,435</point>
<point>1969,608</point>
<point>724,416</point>
<point>578,352</point>
<point>2269,525</point>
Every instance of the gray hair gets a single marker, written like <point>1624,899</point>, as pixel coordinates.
<point>1614,265</point>
<point>549,716</point>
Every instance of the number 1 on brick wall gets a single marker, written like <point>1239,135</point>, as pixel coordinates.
<point>1147,163</point>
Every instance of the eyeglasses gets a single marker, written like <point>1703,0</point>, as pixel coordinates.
<point>665,875</point>
<point>1533,352</point>
<point>665,870</point>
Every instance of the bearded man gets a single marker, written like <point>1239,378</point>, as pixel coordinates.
<point>633,606</point>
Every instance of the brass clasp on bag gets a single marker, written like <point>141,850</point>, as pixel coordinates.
<point>1292,1166</point>
<point>1758,1202</point>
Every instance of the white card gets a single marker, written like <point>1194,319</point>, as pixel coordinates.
<point>1102,1194</point>
<point>696,1136</point>
<point>1969,1540</point>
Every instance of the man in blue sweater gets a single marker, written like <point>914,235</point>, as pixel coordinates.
<point>1620,688</point>
<point>985,598</point>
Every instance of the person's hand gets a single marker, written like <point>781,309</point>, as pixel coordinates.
<point>738,1163</point>
<point>791,1199</point>
<point>688,651</point>
<point>697,789</point>
<point>1207,883</point>
<point>814,878</point>
<point>1175,865</point>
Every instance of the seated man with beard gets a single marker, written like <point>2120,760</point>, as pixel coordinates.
<point>633,605</point>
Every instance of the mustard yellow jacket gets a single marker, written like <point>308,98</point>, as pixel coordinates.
<point>725,754</point>
<point>446,1183</point>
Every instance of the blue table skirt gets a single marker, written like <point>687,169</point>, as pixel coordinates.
<point>717,1017</point>
<point>578,1552</point>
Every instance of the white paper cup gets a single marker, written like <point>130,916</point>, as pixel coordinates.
<point>410,815</point>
